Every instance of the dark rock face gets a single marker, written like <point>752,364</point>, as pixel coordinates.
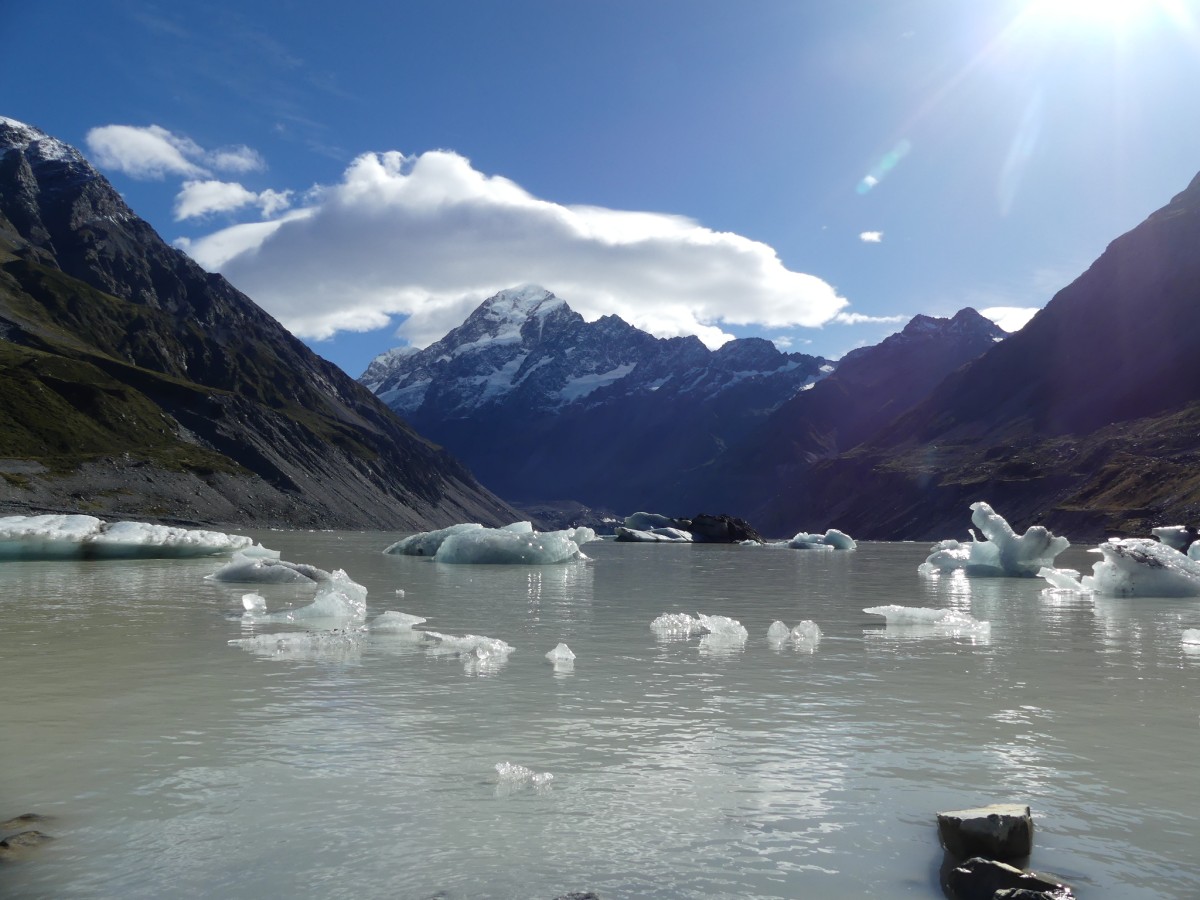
<point>1002,831</point>
<point>1084,421</point>
<point>183,396</point>
<point>722,529</point>
<point>543,405</point>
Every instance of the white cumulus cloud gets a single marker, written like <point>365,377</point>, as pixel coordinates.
<point>153,152</point>
<point>853,318</point>
<point>871,237</point>
<point>201,198</point>
<point>429,236</point>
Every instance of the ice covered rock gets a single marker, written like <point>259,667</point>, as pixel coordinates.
<point>338,598</point>
<point>426,543</point>
<point>1141,567</point>
<point>497,546</point>
<point>254,569</point>
<point>830,540</point>
<point>394,622</point>
<point>1003,553</point>
<point>561,653</point>
<point>653,535</point>
<point>86,537</point>
<point>948,621</point>
<point>675,625</point>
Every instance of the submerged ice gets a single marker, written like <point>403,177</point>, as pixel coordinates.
<point>941,620</point>
<point>51,537</point>
<point>1003,553</point>
<point>338,598</point>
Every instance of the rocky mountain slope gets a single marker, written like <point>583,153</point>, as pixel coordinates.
<point>1087,420</point>
<point>545,406</point>
<point>135,384</point>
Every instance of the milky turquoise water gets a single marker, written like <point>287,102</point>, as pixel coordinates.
<point>175,764</point>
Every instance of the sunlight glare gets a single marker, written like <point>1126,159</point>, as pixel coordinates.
<point>1115,14</point>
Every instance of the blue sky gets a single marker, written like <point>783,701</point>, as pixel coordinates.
<point>812,172</point>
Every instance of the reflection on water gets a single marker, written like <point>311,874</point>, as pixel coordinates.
<point>178,764</point>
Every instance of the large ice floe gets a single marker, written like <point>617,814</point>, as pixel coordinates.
<point>1133,567</point>
<point>53,537</point>
<point>830,540</point>
<point>932,621</point>
<point>660,535</point>
<point>515,544</point>
<point>1003,553</point>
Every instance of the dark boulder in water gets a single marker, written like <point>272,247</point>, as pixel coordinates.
<point>722,529</point>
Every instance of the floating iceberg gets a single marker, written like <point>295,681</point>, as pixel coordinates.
<point>394,623</point>
<point>508,547</point>
<point>1191,636</point>
<point>778,632</point>
<point>467,645</point>
<point>86,537</point>
<point>663,535</point>
<point>1060,579</point>
<point>1179,537</point>
<point>338,598</point>
<point>945,621</point>
<point>427,543</point>
<point>830,540</point>
<point>1004,553</point>
<point>254,569</point>
<point>1134,567</point>
<point>644,521</point>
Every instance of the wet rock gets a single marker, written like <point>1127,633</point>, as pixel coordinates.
<point>1000,831</point>
<point>15,846</point>
<point>21,823</point>
<point>722,529</point>
<point>988,879</point>
<point>579,895</point>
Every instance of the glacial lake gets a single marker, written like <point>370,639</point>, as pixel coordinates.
<point>175,764</point>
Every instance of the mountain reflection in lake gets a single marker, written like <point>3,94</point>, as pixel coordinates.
<point>175,764</point>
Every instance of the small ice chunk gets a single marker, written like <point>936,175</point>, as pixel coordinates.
<point>1140,567</point>
<point>399,592</point>
<point>807,632</point>
<point>723,627</point>
<point>943,620</point>
<point>778,632</point>
<point>1061,579</point>
<point>561,653</point>
<point>1191,636</point>
<point>427,543</point>
<point>467,645</point>
<point>514,773</point>
<point>254,569</point>
<point>393,622</point>
<point>254,603</point>
<point>675,624</point>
